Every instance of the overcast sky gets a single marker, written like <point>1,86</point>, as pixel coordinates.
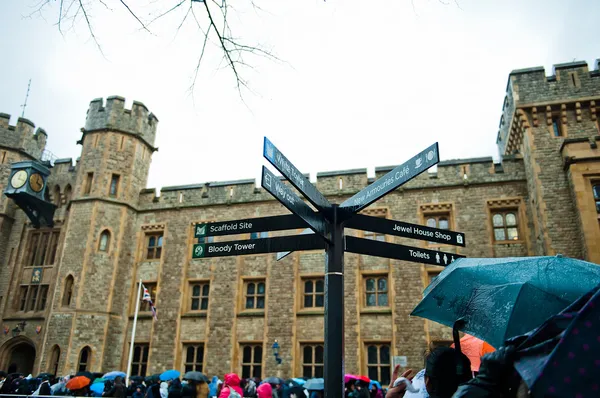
<point>364,84</point>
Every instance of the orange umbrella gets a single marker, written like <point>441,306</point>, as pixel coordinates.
<point>78,382</point>
<point>474,349</point>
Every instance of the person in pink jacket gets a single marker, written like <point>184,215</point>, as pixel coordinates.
<point>265,391</point>
<point>231,381</point>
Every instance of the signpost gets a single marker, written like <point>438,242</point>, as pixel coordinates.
<point>329,223</point>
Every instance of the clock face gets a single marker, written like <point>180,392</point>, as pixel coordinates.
<point>36,182</point>
<point>18,179</point>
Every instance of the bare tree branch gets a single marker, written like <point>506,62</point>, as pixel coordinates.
<point>135,16</point>
<point>89,24</point>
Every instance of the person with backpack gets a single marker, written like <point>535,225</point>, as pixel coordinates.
<point>231,385</point>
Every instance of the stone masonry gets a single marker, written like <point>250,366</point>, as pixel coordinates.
<point>544,179</point>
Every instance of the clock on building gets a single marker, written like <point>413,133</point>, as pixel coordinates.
<point>27,187</point>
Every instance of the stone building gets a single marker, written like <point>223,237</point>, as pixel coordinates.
<point>224,314</point>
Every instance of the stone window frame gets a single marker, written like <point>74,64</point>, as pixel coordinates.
<point>301,364</point>
<point>155,230</point>
<point>244,282</point>
<point>87,183</point>
<point>300,294</point>
<point>194,363</point>
<point>68,285</point>
<point>595,182</point>
<point>252,364</point>
<point>26,295</point>
<point>107,247</point>
<point>54,359</point>
<point>50,250</point>
<point>364,366</point>
<point>368,274</point>
<point>117,185</point>
<point>437,210</point>
<point>140,363</point>
<point>190,295</point>
<point>513,204</point>
<point>88,360</point>
<point>558,118</point>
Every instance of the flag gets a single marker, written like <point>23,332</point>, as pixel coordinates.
<point>148,298</point>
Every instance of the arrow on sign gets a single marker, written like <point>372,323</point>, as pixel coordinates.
<point>298,180</point>
<point>289,199</point>
<point>399,252</point>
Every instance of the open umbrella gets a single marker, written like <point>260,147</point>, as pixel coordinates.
<point>562,357</point>
<point>495,297</point>
<point>99,380</point>
<point>78,382</point>
<point>374,383</point>
<point>45,376</point>
<point>298,381</point>
<point>273,380</point>
<point>195,376</point>
<point>315,384</point>
<point>97,388</point>
<point>474,349</point>
<point>89,375</point>
<point>348,378</point>
<point>113,375</point>
<point>169,375</point>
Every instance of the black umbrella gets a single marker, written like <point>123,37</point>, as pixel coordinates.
<point>138,379</point>
<point>89,375</point>
<point>45,376</point>
<point>195,376</point>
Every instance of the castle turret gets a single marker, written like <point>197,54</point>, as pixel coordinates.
<point>552,122</point>
<point>96,268</point>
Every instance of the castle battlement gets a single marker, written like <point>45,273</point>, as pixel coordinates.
<point>22,136</point>
<point>337,185</point>
<point>113,116</point>
<point>572,86</point>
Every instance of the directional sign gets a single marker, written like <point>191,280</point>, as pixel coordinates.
<point>298,180</point>
<point>257,246</point>
<point>399,252</point>
<point>407,230</point>
<point>262,224</point>
<point>392,180</point>
<point>289,199</point>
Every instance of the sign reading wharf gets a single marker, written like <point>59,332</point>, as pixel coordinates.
<point>326,231</point>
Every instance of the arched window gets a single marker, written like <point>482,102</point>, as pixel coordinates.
<point>104,243</point>
<point>54,360</point>
<point>68,194</point>
<point>85,355</point>
<point>56,196</point>
<point>67,292</point>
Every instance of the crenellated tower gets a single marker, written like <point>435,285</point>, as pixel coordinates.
<point>91,307</point>
<point>552,122</point>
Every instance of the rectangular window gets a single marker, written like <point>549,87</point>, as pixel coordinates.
<point>193,355</point>
<point>376,291</point>
<point>114,185</point>
<point>41,248</point>
<point>33,298</point>
<point>378,362</point>
<point>144,305</point>
<point>312,360</point>
<point>505,224</point>
<point>557,127</point>
<point>154,243</point>
<point>440,221</point>
<point>313,293</point>
<point>199,296</point>
<point>251,360</point>
<point>596,191</point>
<point>139,364</point>
<point>254,295</point>
<point>87,183</point>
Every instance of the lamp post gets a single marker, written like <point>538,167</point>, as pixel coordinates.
<point>276,352</point>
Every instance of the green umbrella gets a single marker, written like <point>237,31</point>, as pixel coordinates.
<point>499,298</point>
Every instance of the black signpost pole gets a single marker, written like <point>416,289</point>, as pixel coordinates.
<point>334,309</point>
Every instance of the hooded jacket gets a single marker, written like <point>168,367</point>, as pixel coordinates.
<point>231,381</point>
<point>265,391</point>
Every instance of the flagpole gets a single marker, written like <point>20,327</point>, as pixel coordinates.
<point>137,306</point>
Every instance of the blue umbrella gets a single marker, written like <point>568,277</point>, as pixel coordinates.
<point>315,384</point>
<point>97,388</point>
<point>374,382</point>
<point>113,375</point>
<point>169,375</point>
<point>300,382</point>
<point>495,296</point>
